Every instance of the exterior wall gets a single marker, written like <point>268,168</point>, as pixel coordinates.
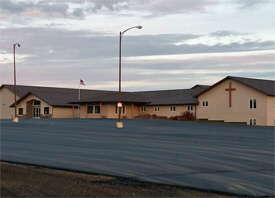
<point>63,112</point>
<point>166,110</point>
<point>218,104</point>
<point>84,114</point>
<point>109,111</point>
<point>270,110</point>
<point>6,99</point>
<point>130,113</point>
<point>23,105</point>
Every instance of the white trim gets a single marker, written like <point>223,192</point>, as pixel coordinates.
<point>172,108</point>
<point>143,108</point>
<point>191,107</point>
<point>253,107</point>
<point>157,108</point>
<point>204,101</point>
<point>253,123</point>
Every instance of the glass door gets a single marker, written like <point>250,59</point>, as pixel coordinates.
<point>36,112</point>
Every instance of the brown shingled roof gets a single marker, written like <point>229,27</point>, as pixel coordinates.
<point>265,86</point>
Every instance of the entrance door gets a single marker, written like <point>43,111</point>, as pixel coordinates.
<point>36,112</point>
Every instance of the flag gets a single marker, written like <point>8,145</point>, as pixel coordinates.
<point>82,82</point>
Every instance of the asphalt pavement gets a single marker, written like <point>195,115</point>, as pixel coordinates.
<point>235,159</point>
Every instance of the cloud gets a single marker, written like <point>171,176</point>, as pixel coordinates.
<point>251,3</point>
<point>47,8</point>
<point>85,44</point>
<point>78,12</point>
<point>152,7</point>
<point>55,56</point>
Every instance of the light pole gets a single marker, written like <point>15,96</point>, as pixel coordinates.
<point>15,119</point>
<point>119,105</point>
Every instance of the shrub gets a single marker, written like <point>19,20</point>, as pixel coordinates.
<point>186,116</point>
<point>173,118</point>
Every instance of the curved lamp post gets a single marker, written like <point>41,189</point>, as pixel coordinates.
<point>15,119</point>
<point>119,105</point>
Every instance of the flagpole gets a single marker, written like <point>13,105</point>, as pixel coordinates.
<point>79,99</point>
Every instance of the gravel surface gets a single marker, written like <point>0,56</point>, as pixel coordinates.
<point>31,181</point>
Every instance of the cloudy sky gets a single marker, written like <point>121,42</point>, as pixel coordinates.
<point>182,42</point>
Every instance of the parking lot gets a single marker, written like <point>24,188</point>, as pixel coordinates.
<point>228,158</point>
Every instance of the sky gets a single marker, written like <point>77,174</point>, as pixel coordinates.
<point>182,42</point>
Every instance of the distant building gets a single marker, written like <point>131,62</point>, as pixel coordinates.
<point>233,99</point>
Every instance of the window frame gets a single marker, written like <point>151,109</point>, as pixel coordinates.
<point>205,103</point>
<point>122,108</point>
<point>19,113</point>
<point>190,107</point>
<point>143,109</point>
<point>97,107</point>
<point>172,108</point>
<point>253,121</point>
<point>35,105</point>
<point>156,108</point>
<point>90,107</point>
<point>48,110</point>
<point>252,103</point>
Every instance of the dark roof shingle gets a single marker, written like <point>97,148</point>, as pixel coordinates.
<point>265,86</point>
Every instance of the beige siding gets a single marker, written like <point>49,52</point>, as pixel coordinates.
<point>23,105</point>
<point>218,104</point>
<point>6,99</point>
<point>166,110</point>
<point>130,112</point>
<point>63,112</point>
<point>109,111</point>
<point>270,111</point>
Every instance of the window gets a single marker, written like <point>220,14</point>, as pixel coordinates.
<point>123,110</point>
<point>253,121</point>
<point>97,109</point>
<point>205,103</point>
<point>36,103</point>
<point>20,111</point>
<point>143,109</point>
<point>252,103</point>
<point>46,110</point>
<point>156,108</point>
<point>173,108</point>
<point>190,108</point>
<point>90,109</point>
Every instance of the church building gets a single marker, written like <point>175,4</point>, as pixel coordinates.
<point>232,99</point>
<point>238,100</point>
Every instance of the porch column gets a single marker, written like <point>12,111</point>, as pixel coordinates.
<point>73,111</point>
<point>86,110</point>
<point>132,110</point>
<point>100,109</point>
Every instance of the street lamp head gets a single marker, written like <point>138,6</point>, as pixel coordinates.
<point>139,27</point>
<point>16,44</point>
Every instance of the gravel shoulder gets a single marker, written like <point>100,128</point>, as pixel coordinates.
<point>19,180</point>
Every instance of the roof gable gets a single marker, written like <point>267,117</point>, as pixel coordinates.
<point>265,86</point>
